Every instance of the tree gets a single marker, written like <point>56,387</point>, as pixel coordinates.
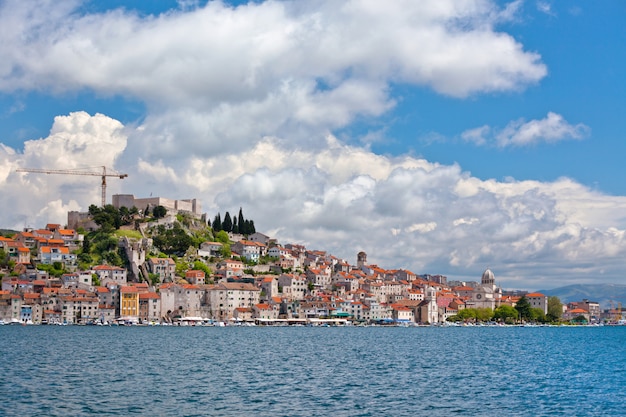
<point>555,308</point>
<point>484,314</point>
<point>125,215</point>
<point>537,314</point>
<point>241,221</point>
<point>217,223</point>
<point>4,258</point>
<point>85,260</point>
<point>154,278</point>
<point>235,226</point>
<point>467,314</point>
<point>505,313</point>
<point>245,229</point>
<point>172,241</point>
<point>222,237</point>
<point>159,212</point>
<point>524,309</point>
<point>86,246</point>
<point>112,258</point>
<point>107,217</point>
<point>225,252</point>
<point>201,266</point>
<point>227,224</point>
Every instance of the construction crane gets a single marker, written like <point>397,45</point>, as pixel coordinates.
<point>104,174</point>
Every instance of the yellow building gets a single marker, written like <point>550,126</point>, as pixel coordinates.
<point>129,302</point>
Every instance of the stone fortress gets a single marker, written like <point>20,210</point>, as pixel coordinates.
<point>129,200</point>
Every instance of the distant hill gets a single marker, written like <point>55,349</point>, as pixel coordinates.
<point>601,293</point>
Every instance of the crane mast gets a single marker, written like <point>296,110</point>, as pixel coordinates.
<point>103,174</point>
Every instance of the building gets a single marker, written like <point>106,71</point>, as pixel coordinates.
<point>540,301</point>
<point>129,303</point>
<point>108,274</point>
<point>149,307</point>
<point>195,277</point>
<point>165,268</point>
<point>210,249</point>
<point>484,295</point>
<point>250,250</point>
<point>51,254</point>
<point>225,297</point>
<point>181,300</point>
<point>592,307</point>
<point>293,287</point>
<point>177,206</point>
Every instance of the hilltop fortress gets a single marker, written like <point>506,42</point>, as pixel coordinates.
<point>76,219</point>
<point>128,200</point>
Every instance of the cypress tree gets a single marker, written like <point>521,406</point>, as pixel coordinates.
<point>241,221</point>
<point>227,224</point>
<point>217,223</point>
<point>235,226</point>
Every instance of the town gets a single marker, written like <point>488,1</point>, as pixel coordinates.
<point>246,279</point>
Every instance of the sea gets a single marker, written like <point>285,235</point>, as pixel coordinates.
<point>312,371</point>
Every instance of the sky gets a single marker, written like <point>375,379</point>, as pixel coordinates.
<point>441,136</point>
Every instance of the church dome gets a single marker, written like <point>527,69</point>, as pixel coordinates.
<point>488,277</point>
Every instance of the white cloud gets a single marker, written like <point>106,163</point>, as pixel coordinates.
<point>462,221</point>
<point>240,102</point>
<point>404,212</point>
<point>545,7</point>
<point>553,128</point>
<point>477,136</point>
<point>422,227</point>
<point>76,141</point>
<point>217,78</point>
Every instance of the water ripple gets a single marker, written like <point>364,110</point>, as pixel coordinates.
<point>60,371</point>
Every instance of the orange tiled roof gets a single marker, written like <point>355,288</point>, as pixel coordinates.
<point>62,249</point>
<point>190,287</point>
<point>31,296</point>
<point>149,296</point>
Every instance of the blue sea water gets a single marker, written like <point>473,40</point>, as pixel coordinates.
<point>301,371</point>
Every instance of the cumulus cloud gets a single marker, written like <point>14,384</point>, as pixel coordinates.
<point>403,211</point>
<point>77,141</point>
<point>241,105</point>
<point>235,53</point>
<point>553,128</point>
<point>292,68</point>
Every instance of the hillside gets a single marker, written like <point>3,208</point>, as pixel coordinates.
<point>601,293</point>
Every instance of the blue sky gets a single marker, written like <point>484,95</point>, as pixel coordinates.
<point>448,136</point>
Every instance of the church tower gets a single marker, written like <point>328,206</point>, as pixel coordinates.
<point>361,260</point>
<point>430,298</point>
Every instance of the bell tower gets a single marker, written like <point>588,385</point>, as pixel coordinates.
<point>361,260</point>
